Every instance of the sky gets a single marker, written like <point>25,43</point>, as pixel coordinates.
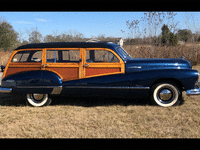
<point>90,24</point>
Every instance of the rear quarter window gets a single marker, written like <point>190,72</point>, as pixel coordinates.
<point>28,56</point>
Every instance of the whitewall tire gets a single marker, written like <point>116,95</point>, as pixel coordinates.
<point>165,94</point>
<point>38,100</point>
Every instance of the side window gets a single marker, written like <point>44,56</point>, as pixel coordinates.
<point>100,56</point>
<point>71,55</point>
<point>52,56</point>
<point>63,56</point>
<point>28,56</point>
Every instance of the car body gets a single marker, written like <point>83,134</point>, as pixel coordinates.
<point>95,68</point>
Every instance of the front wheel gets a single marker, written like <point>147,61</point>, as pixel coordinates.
<point>38,100</point>
<point>165,94</point>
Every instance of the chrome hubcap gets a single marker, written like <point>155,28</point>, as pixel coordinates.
<point>38,96</point>
<point>165,94</point>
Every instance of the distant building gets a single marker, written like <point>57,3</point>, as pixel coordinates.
<point>181,42</point>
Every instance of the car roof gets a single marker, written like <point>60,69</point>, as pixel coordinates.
<point>69,45</point>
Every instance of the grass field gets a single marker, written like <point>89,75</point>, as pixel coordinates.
<point>99,118</point>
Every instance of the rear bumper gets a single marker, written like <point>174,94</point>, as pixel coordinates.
<point>5,90</point>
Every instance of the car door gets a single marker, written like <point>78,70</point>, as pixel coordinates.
<point>65,62</point>
<point>101,62</point>
<point>103,73</point>
<point>24,60</point>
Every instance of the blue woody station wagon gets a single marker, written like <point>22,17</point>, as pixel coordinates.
<point>100,69</point>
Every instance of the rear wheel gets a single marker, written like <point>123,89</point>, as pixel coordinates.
<point>165,94</point>
<point>38,100</point>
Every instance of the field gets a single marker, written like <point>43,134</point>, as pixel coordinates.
<point>99,118</point>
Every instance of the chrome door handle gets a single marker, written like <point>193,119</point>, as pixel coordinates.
<point>86,65</point>
<point>45,65</point>
<point>135,67</point>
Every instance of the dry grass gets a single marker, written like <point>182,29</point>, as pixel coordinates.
<point>99,118</point>
<point>189,51</point>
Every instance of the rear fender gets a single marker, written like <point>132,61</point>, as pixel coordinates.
<point>40,81</point>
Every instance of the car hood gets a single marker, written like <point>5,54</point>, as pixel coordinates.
<point>138,64</point>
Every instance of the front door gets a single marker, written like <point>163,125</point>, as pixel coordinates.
<point>101,62</point>
<point>65,62</point>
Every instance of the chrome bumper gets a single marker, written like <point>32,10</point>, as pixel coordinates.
<point>194,91</point>
<point>5,90</point>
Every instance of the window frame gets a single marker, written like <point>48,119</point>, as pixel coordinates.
<point>62,61</point>
<point>28,58</point>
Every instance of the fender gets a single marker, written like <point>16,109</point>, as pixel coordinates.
<point>40,81</point>
<point>187,77</point>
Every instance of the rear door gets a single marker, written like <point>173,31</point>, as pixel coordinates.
<point>65,62</point>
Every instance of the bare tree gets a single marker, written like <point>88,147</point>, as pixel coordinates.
<point>35,36</point>
<point>154,21</point>
<point>133,27</point>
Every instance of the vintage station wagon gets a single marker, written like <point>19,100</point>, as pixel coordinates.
<point>95,68</point>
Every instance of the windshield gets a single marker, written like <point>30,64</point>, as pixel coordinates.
<point>123,53</point>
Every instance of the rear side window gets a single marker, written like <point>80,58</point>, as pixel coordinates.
<point>63,56</point>
<point>28,56</point>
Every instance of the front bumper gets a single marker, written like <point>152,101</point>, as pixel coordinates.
<point>195,91</point>
<point>5,90</point>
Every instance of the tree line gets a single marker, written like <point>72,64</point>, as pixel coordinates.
<point>170,34</point>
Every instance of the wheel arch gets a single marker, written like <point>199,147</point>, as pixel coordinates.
<point>181,87</point>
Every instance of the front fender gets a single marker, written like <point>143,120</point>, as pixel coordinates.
<point>40,81</point>
<point>187,77</point>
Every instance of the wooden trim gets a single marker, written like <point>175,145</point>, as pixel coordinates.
<point>81,71</point>
<point>21,64</point>
<point>54,67</point>
<point>6,68</point>
<point>63,65</point>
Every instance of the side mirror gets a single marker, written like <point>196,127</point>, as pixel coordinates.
<point>2,68</point>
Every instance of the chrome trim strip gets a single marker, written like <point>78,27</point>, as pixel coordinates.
<point>142,88</point>
<point>5,90</point>
<point>135,67</point>
<point>106,87</point>
<point>32,87</point>
<point>56,89</point>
